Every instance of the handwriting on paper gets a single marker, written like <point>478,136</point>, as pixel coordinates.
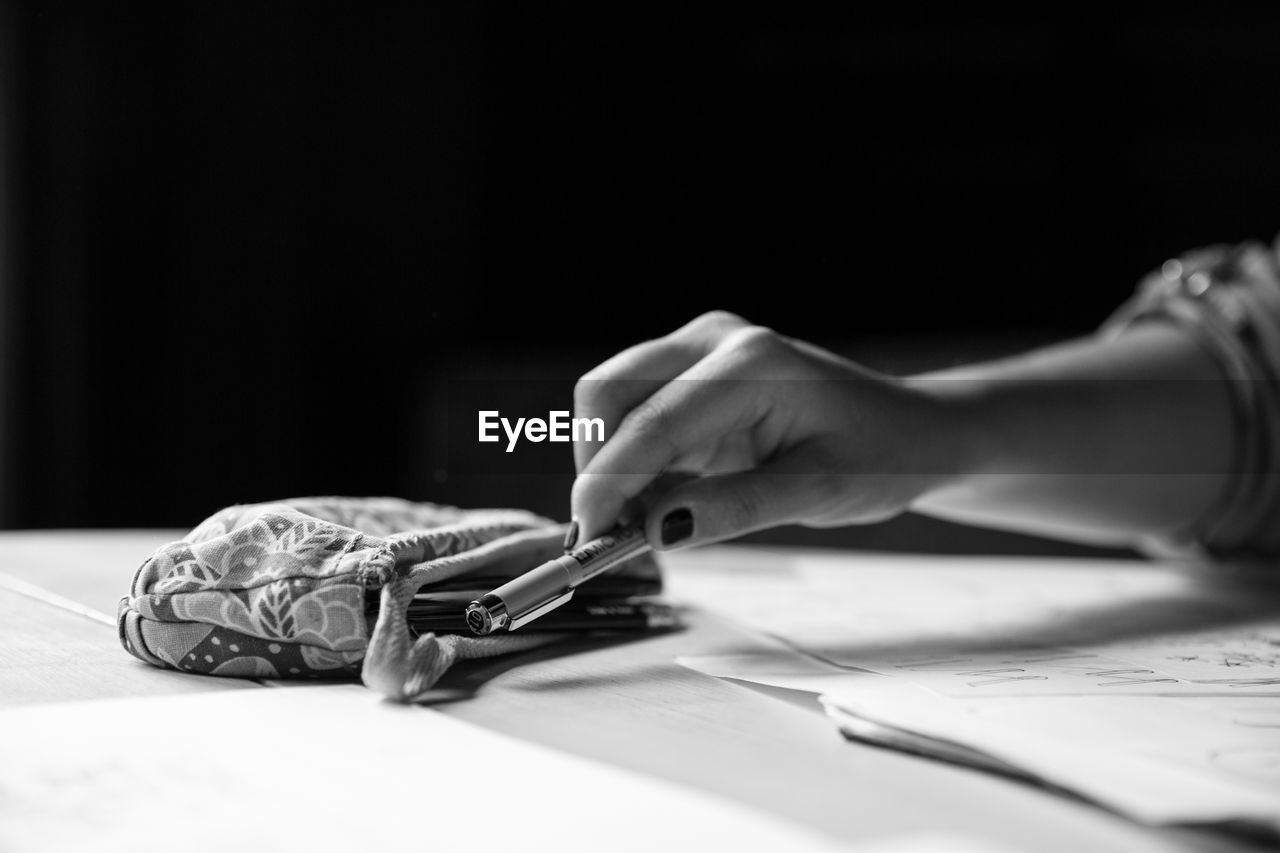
<point>1240,657</point>
<point>1079,672</point>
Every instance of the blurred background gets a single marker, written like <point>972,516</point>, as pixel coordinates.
<point>247,250</point>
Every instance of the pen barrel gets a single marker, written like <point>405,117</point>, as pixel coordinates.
<point>602,554</point>
<point>535,588</point>
<point>521,600</point>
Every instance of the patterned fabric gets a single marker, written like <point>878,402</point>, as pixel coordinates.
<point>278,590</point>
<point>1229,297</point>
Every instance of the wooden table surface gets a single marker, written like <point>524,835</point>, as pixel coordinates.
<point>626,704</point>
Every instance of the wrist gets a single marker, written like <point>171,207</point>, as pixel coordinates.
<point>959,435</point>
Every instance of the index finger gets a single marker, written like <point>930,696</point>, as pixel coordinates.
<point>692,410</point>
<point>615,387</point>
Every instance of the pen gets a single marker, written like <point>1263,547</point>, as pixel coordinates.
<point>521,600</point>
<point>594,617</point>
<point>464,590</point>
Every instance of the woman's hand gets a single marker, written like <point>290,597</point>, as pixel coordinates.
<point>775,430</point>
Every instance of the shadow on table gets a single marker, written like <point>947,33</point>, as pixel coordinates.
<point>465,678</point>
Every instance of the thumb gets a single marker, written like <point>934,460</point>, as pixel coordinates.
<point>710,509</point>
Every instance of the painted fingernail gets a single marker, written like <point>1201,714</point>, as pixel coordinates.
<point>677,526</point>
<point>571,535</point>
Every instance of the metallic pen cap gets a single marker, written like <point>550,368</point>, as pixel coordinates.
<point>487,615</point>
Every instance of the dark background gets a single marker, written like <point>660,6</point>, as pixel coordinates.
<point>247,247</point>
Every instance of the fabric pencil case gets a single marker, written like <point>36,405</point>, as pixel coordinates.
<point>279,590</point>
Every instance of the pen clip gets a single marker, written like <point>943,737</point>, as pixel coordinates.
<point>541,610</point>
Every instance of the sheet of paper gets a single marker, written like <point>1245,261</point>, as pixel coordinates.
<point>794,671</point>
<point>853,608</point>
<point>1158,759</point>
<point>1221,663</point>
<point>1012,657</point>
<point>335,768</point>
<point>990,626</point>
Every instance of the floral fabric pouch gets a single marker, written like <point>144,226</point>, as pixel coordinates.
<point>320,588</point>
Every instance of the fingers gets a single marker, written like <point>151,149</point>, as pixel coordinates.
<point>679,416</point>
<point>692,412</point>
<point>711,509</point>
<point>617,386</point>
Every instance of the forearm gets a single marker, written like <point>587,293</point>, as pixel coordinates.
<point>1097,440</point>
